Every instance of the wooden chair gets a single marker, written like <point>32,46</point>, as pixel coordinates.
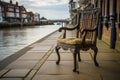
<point>86,36</point>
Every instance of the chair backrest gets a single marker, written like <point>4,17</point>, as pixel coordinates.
<point>88,24</point>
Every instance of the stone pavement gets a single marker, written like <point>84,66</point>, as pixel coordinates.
<point>39,63</point>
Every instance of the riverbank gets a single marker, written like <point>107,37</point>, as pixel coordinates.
<point>16,38</point>
<point>19,53</point>
<point>7,25</point>
<point>38,62</point>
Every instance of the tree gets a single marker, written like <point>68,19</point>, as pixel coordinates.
<point>43,18</point>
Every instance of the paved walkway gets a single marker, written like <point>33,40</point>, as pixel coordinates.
<point>37,62</point>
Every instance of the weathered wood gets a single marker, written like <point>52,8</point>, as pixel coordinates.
<point>88,21</point>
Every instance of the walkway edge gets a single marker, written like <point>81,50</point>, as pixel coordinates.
<point>36,68</point>
<point>19,53</point>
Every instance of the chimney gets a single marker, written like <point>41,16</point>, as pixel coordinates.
<point>10,1</point>
<point>16,3</point>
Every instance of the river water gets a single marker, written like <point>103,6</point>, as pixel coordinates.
<point>14,39</point>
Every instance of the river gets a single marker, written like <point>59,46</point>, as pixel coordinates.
<point>14,39</point>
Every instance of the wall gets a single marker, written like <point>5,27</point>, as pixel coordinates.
<point>107,30</point>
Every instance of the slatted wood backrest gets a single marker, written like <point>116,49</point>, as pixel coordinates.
<point>88,24</point>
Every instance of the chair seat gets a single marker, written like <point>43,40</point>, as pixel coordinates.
<point>72,41</point>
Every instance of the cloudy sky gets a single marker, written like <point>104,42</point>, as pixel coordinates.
<point>51,9</point>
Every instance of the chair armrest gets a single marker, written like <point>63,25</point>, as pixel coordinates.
<point>85,31</point>
<point>66,28</point>
<point>89,30</point>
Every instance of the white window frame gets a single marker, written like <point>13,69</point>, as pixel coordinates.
<point>10,14</point>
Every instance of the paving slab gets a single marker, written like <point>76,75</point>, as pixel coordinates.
<point>11,79</point>
<point>64,56</point>
<point>108,56</point>
<point>32,56</point>
<point>41,44</point>
<point>85,76</point>
<point>109,76</point>
<point>50,67</point>
<point>109,70</point>
<point>41,48</point>
<point>17,73</point>
<point>22,64</point>
<point>53,77</point>
<point>109,66</point>
<point>2,72</point>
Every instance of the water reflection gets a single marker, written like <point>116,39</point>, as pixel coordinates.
<point>14,39</point>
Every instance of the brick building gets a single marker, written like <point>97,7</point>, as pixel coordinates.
<point>30,16</point>
<point>10,12</point>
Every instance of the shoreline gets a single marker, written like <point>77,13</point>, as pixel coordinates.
<point>7,25</point>
<point>20,37</point>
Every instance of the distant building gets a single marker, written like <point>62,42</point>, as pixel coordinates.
<point>73,6</point>
<point>30,17</point>
<point>23,14</point>
<point>10,12</point>
<point>1,18</point>
<point>37,18</point>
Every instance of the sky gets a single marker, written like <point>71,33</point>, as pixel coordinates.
<point>50,9</point>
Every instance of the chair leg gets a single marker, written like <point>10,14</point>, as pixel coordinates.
<point>95,55</point>
<point>58,54</point>
<point>75,60</point>
<point>79,58</point>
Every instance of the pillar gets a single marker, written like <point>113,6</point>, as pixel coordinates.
<point>107,13</point>
<point>113,26</point>
<point>100,27</point>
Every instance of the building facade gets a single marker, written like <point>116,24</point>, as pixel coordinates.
<point>23,14</point>
<point>30,16</point>
<point>10,12</point>
<point>109,28</point>
<point>110,24</point>
<point>36,18</point>
<point>73,6</point>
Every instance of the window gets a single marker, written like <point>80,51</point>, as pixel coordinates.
<point>10,14</point>
<point>10,9</point>
<point>0,8</point>
<point>17,10</point>
<point>23,11</point>
<point>24,15</point>
<point>0,11</point>
<point>10,6</point>
<point>17,15</point>
<point>74,21</point>
<point>1,19</point>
